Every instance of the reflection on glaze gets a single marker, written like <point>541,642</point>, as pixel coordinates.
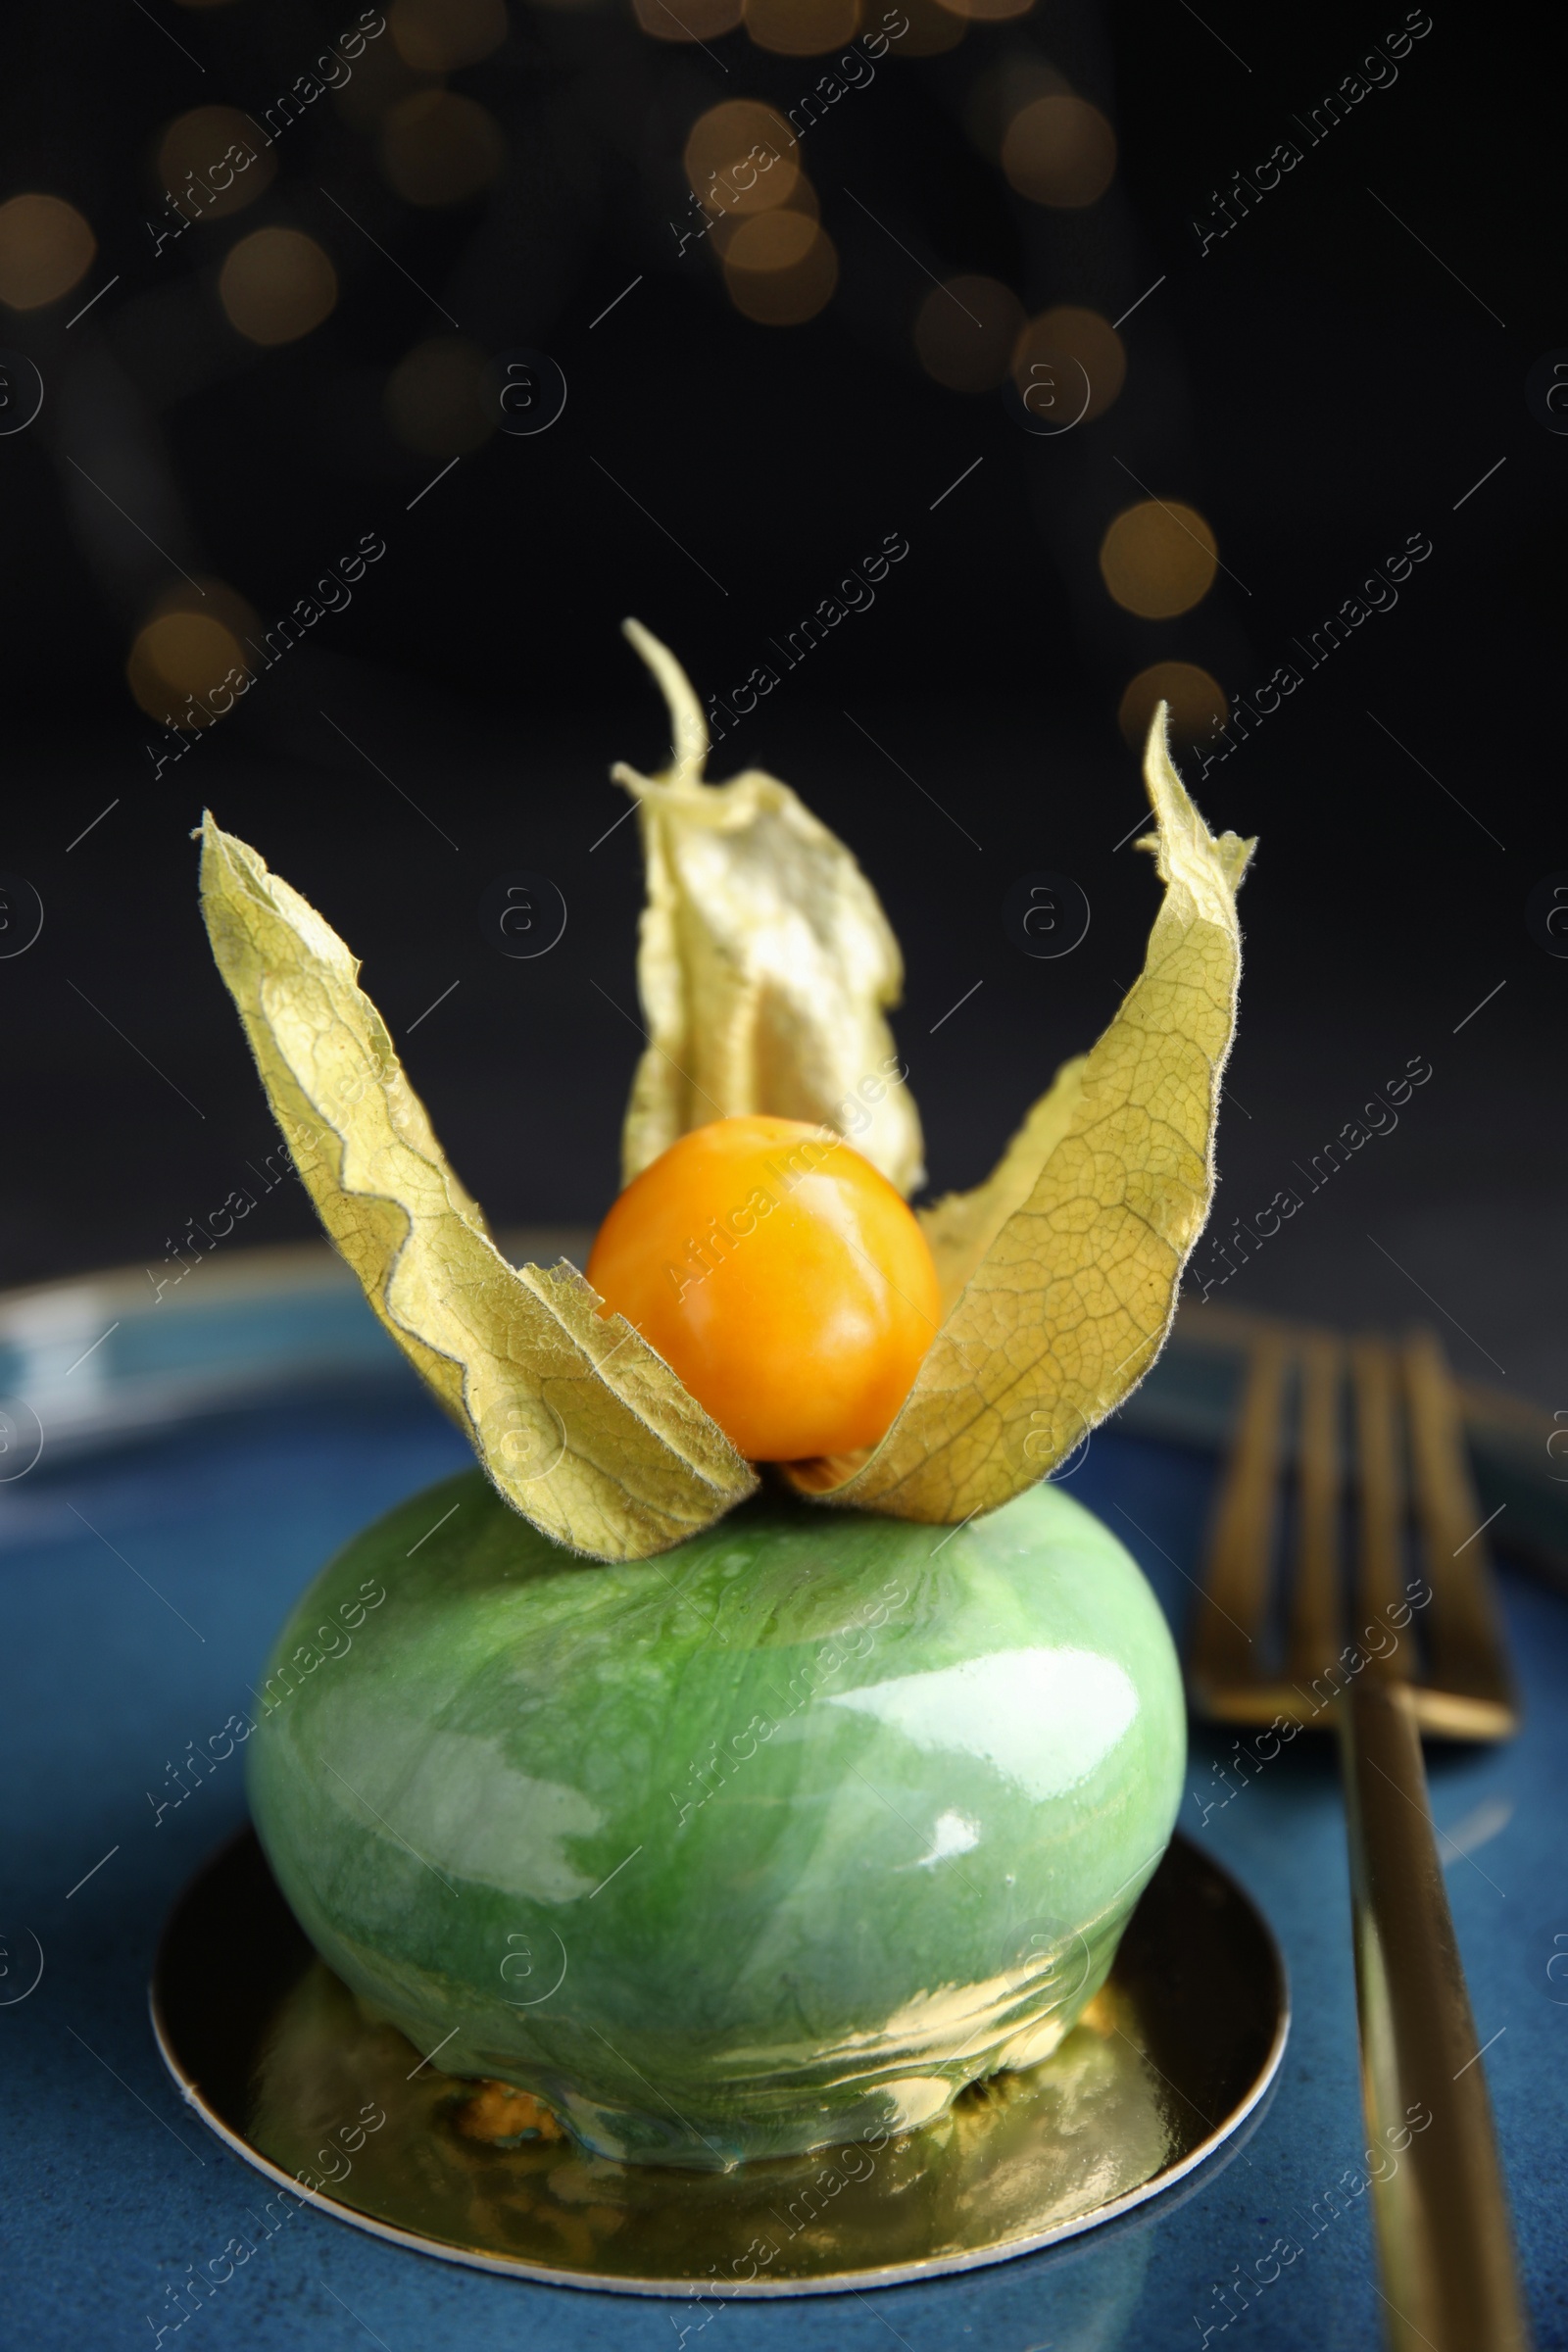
<point>952,1834</point>
<point>1046,1719</point>
<point>514,1839</point>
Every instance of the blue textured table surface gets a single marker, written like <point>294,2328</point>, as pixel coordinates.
<point>141,1588</point>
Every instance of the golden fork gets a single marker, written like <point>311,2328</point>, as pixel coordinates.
<point>1445,2238</point>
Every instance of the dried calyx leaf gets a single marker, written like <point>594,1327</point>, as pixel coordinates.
<point>1061,1273</point>
<point>582,1428</point>
<point>962,1226</point>
<point>764,960</point>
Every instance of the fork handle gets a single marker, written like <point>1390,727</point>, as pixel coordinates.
<point>1445,2238</point>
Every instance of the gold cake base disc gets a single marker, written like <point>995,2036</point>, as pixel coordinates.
<point>1172,2055</point>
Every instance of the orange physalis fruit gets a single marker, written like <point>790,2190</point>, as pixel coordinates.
<point>781,1277</point>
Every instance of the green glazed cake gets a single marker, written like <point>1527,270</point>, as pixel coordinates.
<point>771,1842</point>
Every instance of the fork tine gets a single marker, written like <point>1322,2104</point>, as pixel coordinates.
<point>1228,1621</point>
<point>1474,1696</point>
<point>1380,1481</point>
<point>1315,1601</point>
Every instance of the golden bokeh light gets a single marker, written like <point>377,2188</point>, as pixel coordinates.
<point>741,157</point>
<point>439,148</point>
<point>781,268</point>
<point>180,655</point>
<point>802,199</point>
<point>1069,335</point>
<point>1197,702</point>
<point>435,398</point>
<point>687,20</point>
<point>988,11</point>
<point>437,37</point>
<point>209,145</point>
<point>45,249</point>
<point>965,331</point>
<point>1060,149</point>
<point>195,634</point>
<point>773,241</point>
<point>276,284</point>
<point>933,28</point>
<point>1158,558</point>
<point>801,27</point>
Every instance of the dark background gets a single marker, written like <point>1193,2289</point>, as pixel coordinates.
<point>1320,385</point>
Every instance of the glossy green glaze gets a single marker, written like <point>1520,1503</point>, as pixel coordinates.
<point>772,1842</point>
